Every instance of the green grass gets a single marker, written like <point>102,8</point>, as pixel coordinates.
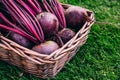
<point>98,59</point>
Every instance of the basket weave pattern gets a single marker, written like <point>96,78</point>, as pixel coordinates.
<point>42,65</point>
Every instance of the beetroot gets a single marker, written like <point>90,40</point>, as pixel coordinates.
<point>46,48</point>
<point>21,40</point>
<point>75,16</point>
<point>49,22</point>
<point>66,34</point>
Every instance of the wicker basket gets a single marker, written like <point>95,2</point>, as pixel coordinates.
<point>41,65</point>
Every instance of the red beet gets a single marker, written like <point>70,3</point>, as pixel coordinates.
<point>66,34</point>
<point>75,16</point>
<point>46,48</point>
<point>21,40</point>
<point>49,22</point>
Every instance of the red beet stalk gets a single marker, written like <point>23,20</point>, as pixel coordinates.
<point>31,18</point>
<point>11,27</point>
<point>34,5</point>
<point>25,19</point>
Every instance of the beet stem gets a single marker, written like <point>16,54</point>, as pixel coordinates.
<point>60,40</point>
<point>25,19</point>
<point>32,19</point>
<point>61,11</point>
<point>57,14</point>
<point>19,32</point>
<point>37,10</point>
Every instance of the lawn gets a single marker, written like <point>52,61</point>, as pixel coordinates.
<point>98,59</point>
